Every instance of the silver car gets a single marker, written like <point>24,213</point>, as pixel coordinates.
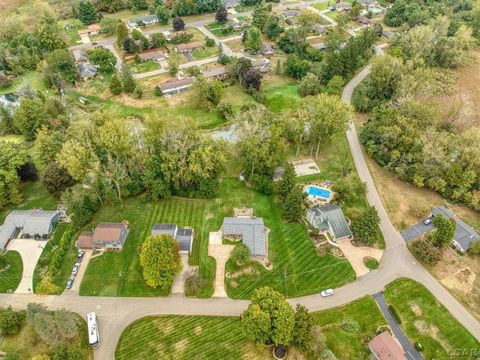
<point>327,292</point>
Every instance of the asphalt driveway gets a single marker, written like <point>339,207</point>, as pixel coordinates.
<point>416,231</point>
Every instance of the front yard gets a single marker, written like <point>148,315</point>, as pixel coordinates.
<point>10,277</point>
<point>426,321</point>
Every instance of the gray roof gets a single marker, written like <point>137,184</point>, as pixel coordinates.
<point>464,234</point>
<point>183,236</point>
<point>329,217</point>
<point>278,173</point>
<point>80,55</point>
<point>219,71</point>
<point>33,222</point>
<point>230,3</point>
<point>144,18</point>
<point>252,231</point>
<point>318,28</point>
<point>86,70</point>
<point>290,13</point>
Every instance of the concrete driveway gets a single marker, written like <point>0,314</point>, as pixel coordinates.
<point>221,253</point>
<point>416,231</point>
<point>178,286</point>
<point>355,255</point>
<point>81,272</point>
<point>30,251</point>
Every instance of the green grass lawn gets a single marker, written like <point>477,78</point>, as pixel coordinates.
<point>10,278</point>
<point>205,53</point>
<point>144,67</point>
<point>349,328</point>
<point>72,35</point>
<point>281,94</point>
<point>426,321</point>
<point>33,79</point>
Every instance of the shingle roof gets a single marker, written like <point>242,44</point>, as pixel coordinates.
<point>183,236</point>
<point>464,234</point>
<point>85,240</point>
<point>332,215</point>
<point>154,54</point>
<point>386,348</point>
<point>252,231</point>
<point>86,70</point>
<point>39,222</point>
<point>215,72</point>
<point>174,84</point>
<point>110,232</point>
<point>143,18</point>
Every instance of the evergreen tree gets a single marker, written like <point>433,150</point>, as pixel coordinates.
<point>272,28</point>
<point>222,14</point>
<point>127,79</point>
<point>163,15</point>
<point>178,24</point>
<point>302,331</point>
<point>287,183</point>
<point>293,205</point>
<point>87,12</point>
<point>254,40</point>
<point>122,34</point>
<point>116,85</point>
<point>260,16</point>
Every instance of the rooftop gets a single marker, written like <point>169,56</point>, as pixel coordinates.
<point>331,215</point>
<point>110,232</point>
<point>252,231</point>
<point>183,236</point>
<point>385,347</point>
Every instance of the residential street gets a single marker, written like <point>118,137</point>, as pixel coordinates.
<point>115,313</point>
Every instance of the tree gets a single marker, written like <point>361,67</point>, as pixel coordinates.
<point>302,331</point>
<point>163,15</point>
<point>206,94</point>
<point>269,317</point>
<point>29,116</point>
<point>10,321</point>
<point>444,231</point>
<point>240,254</point>
<point>335,86</point>
<point>157,40</point>
<point>122,34</point>
<point>116,85</point>
<point>252,79</point>
<point>254,40</point>
<point>221,15</point>
<point>365,226</point>
<point>310,85</point>
<point>160,260</point>
<point>425,252</point>
<point>87,12</point>
<point>272,28</point>
<point>178,24</point>
<point>307,19</point>
<point>293,205</point>
<point>260,16</point>
<point>64,351</point>
<point>128,83</point>
<point>27,172</point>
<point>287,183</point>
<point>49,37</point>
<point>173,63</point>
<point>56,179</point>
<point>327,115</point>
<point>104,58</point>
<point>108,25</point>
<point>250,2</point>
<point>60,67</point>
<point>475,248</point>
<point>296,67</point>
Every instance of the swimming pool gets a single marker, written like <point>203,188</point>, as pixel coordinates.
<point>316,191</point>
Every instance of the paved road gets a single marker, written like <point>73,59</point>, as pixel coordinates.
<point>181,67</point>
<point>410,352</point>
<point>116,313</point>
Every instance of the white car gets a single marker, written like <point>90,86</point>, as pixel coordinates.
<point>427,221</point>
<point>327,292</point>
<point>75,269</point>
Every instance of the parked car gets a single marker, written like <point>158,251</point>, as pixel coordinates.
<point>80,255</point>
<point>70,282</point>
<point>75,269</point>
<point>427,221</point>
<point>327,292</point>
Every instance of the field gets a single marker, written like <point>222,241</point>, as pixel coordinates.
<point>426,321</point>
<point>349,328</point>
<point>10,278</point>
<point>32,79</point>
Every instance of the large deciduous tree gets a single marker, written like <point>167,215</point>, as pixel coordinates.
<point>444,231</point>
<point>161,262</point>
<point>56,179</point>
<point>269,317</point>
<point>254,40</point>
<point>29,117</point>
<point>104,58</point>
<point>87,12</point>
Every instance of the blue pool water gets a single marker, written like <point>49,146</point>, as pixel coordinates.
<point>316,191</point>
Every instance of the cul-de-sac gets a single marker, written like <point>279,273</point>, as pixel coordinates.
<point>239,179</point>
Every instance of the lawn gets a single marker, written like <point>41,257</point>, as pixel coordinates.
<point>349,328</point>
<point>426,321</point>
<point>144,67</point>
<point>205,53</point>
<point>216,29</point>
<point>33,79</point>
<point>281,93</point>
<point>72,35</point>
<point>10,278</point>
<point>26,346</point>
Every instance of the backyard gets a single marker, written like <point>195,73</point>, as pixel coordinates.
<point>426,321</point>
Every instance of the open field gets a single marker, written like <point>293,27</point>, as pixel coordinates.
<point>10,278</point>
<point>426,321</point>
<point>349,328</point>
<point>281,93</point>
<point>32,79</point>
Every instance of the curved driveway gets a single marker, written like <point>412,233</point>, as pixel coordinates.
<point>116,313</point>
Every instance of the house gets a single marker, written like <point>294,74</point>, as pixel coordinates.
<point>183,48</point>
<point>343,6</point>
<point>37,224</point>
<point>108,236</point>
<point>152,54</point>
<point>329,218</point>
<point>250,230</point>
<point>320,46</point>
<point>267,50</point>
<point>175,86</point>
<point>230,4</point>
<point>262,65</point>
<point>464,236</point>
<point>319,29</point>
<point>183,236</point>
<point>363,20</point>
<point>219,73</point>
<point>143,20</point>
<point>86,71</point>
<point>290,13</point>
<point>93,29</point>
<point>385,347</point>
<point>80,56</point>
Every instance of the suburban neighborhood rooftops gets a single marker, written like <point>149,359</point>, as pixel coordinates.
<point>80,55</point>
<point>175,84</point>
<point>320,29</point>
<point>39,222</point>
<point>108,231</point>
<point>84,240</point>
<point>183,236</point>
<point>219,71</point>
<point>343,6</point>
<point>384,347</point>
<point>320,46</point>
<point>331,216</point>
<point>252,231</point>
<point>86,70</point>
<point>153,54</point>
<point>464,234</point>
<point>146,19</point>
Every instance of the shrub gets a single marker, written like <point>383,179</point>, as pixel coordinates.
<point>240,254</point>
<point>425,252</point>
<point>371,263</point>
<point>475,248</point>
<point>418,346</point>
<point>225,110</point>
<point>394,313</point>
<point>209,42</point>
<point>10,321</point>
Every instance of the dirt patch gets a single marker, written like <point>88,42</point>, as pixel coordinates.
<point>234,284</point>
<point>197,330</point>
<point>181,345</point>
<point>415,308</point>
<point>245,271</point>
<point>165,326</point>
